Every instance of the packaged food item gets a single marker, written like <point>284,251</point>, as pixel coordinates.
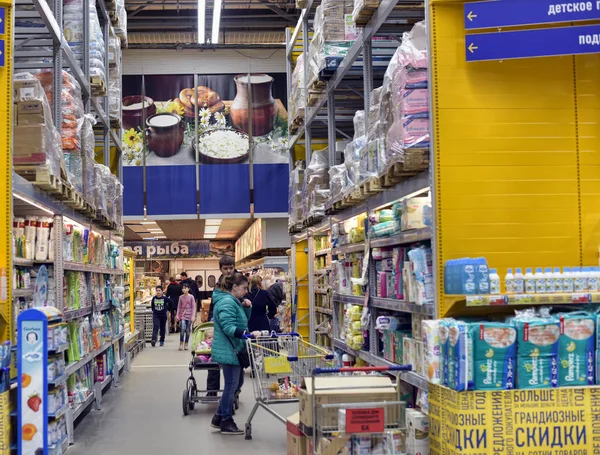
<point>444,329</point>
<point>495,352</point>
<point>576,349</point>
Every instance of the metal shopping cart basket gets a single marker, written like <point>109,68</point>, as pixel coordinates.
<point>374,420</point>
<point>279,363</point>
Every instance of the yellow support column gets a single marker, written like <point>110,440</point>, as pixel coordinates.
<point>302,278</point>
<point>6,132</point>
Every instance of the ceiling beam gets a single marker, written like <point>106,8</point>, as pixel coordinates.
<point>139,8</point>
<point>151,26</point>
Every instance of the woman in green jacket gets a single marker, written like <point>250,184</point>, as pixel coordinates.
<point>231,315</point>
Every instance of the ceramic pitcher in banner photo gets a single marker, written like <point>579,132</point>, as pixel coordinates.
<point>264,107</point>
<point>164,134</point>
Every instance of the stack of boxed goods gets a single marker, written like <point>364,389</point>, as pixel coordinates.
<point>333,36</point>
<point>315,190</point>
<point>121,21</point>
<point>295,202</point>
<point>36,142</point>
<point>298,95</point>
<point>114,79</point>
<point>72,121</point>
<point>100,198</point>
<point>74,30</point>
<point>417,432</point>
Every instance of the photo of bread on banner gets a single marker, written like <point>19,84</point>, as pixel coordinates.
<point>203,97</point>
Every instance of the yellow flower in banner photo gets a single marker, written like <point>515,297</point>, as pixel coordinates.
<point>132,137</point>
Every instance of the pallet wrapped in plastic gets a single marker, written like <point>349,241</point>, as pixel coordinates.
<point>121,25</point>
<point>114,50</point>
<point>316,188</point>
<point>333,21</point>
<point>36,141</point>
<point>88,157</point>
<point>119,204</point>
<point>324,55</point>
<point>114,93</point>
<point>101,200</point>
<point>297,95</point>
<point>338,181</point>
<point>295,194</point>
<point>108,186</point>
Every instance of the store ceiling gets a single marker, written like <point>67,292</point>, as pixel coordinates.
<point>161,23</point>
<point>229,229</point>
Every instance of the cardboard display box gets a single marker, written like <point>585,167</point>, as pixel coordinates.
<point>296,441</point>
<point>29,144</point>
<point>342,390</point>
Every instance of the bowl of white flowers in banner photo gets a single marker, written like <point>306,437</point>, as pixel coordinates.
<point>223,146</point>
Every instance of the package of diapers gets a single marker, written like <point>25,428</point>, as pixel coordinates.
<point>495,355</point>
<point>444,329</point>
<point>537,351</point>
<point>460,356</point>
<point>431,346</point>
<point>415,132</point>
<point>576,349</point>
<point>414,102</point>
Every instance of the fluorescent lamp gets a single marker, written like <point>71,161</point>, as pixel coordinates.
<point>211,229</point>
<point>201,21</point>
<point>161,236</point>
<point>147,222</point>
<point>215,222</point>
<point>154,229</point>
<point>33,203</point>
<point>210,236</point>
<point>216,21</point>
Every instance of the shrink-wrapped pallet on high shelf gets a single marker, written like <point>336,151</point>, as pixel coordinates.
<point>74,31</point>
<point>88,160</point>
<point>114,79</point>
<point>338,181</point>
<point>72,121</point>
<point>315,191</point>
<point>101,201</point>
<point>295,202</point>
<point>408,132</point>
<point>298,94</point>
<point>121,25</point>
<point>36,142</point>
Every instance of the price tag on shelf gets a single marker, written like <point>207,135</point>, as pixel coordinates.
<point>520,299</point>
<point>581,298</point>
<point>476,300</point>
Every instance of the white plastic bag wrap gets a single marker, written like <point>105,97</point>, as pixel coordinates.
<point>338,179</point>
<point>99,188</point>
<point>114,51</point>
<point>298,94</point>
<point>119,204</point>
<point>295,202</point>
<point>114,92</point>
<point>316,188</point>
<point>89,174</point>
<point>111,195</point>
<point>121,26</point>
<point>47,149</point>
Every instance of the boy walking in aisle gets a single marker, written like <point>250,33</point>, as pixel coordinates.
<point>160,304</point>
<point>186,314</point>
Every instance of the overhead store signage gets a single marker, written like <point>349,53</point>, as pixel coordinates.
<point>507,13</point>
<point>2,51</point>
<point>533,43</point>
<point>250,241</point>
<point>2,21</point>
<point>171,250</point>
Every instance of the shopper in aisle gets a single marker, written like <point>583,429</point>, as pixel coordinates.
<point>160,304</point>
<point>227,267</point>
<point>277,295</point>
<point>186,314</point>
<point>173,292</point>
<point>192,286</point>
<point>231,312</point>
<point>263,307</point>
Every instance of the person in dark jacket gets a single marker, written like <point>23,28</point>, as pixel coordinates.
<point>159,306</point>
<point>173,292</point>
<point>263,306</point>
<point>227,267</point>
<point>231,324</point>
<point>277,295</point>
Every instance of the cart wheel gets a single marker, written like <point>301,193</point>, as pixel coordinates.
<point>248,431</point>
<point>186,402</point>
<point>192,393</point>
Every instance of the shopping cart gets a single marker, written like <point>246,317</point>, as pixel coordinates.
<point>280,362</point>
<point>362,427</point>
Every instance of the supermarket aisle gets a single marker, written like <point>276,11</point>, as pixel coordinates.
<point>145,415</point>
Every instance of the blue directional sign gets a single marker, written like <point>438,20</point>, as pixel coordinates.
<point>545,42</point>
<point>507,13</point>
<point>2,21</point>
<point>2,52</point>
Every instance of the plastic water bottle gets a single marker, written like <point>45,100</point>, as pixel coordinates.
<point>540,281</point>
<point>518,281</point>
<point>578,281</point>
<point>568,280</point>
<point>494,282</point>
<point>508,281</point>
<point>549,280</point>
<point>529,281</point>
<point>594,279</point>
<point>558,280</point>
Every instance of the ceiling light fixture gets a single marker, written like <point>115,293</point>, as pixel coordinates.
<point>211,229</point>
<point>201,21</point>
<point>210,236</point>
<point>147,222</point>
<point>216,21</point>
<point>215,222</point>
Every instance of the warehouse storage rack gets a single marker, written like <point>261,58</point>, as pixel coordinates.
<point>330,114</point>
